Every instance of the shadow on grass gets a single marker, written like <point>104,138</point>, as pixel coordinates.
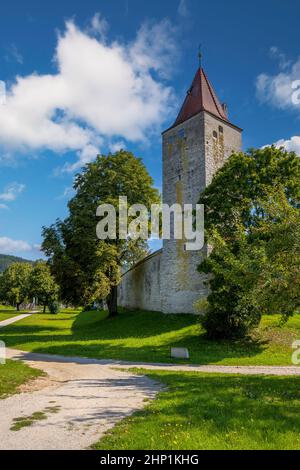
<point>132,336</point>
<point>9,311</point>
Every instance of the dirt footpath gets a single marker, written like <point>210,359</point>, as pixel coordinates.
<point>73,407</point>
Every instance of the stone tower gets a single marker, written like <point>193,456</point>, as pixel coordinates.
<point>197,144</point>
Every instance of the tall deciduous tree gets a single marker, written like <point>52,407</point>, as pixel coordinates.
<point>278,286</point>
<point>42,284</point>
<point>15,283</point>
<point>251,264</point>
<point>86,268</point>
<point>235,194</point>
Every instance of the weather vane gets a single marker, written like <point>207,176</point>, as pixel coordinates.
<point>200,55</point>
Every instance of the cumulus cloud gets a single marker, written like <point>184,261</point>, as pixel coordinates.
<point>101,92</point>
<point>116,146</point>
<point>291,145</point>
<point>8,245</point>
<point>99,26</point>
<point>12,191</point>
<point>279,89</point>
<point>282,91</point>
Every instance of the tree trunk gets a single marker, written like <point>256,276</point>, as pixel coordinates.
<point>18,307</point>
<point>44,311</point>
<point>112,302</point>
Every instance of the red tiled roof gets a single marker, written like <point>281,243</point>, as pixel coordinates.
<point>201,97</point>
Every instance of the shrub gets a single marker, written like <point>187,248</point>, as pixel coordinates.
<point>54,307</point>
<point>222,324</point>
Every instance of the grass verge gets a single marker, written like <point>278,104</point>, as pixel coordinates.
<point>7,312</point>
<point>13,374</point>
<point>148,337</point>
<point>201,411</point>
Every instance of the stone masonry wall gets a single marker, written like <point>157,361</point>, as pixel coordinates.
<point>183,179</point>
<point>192,152</point>
<point>140,286</point>
<point>221,140</point>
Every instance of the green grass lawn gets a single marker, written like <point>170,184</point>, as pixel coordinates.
<point>146,336</point>
<point>13,374</point>
<point>205,411</point>
<point>7,312</point>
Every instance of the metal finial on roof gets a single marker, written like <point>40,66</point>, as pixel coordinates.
<point>200,55</point>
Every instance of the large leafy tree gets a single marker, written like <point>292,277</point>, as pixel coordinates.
<point>42,284</point>
<point>278,286</point>
<point>86,268</point>
<point>234,196</point>
<point>251,265</point>
<point>15,283</point>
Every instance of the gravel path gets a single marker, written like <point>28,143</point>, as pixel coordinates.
<point>112,363</point>
<point>89,396</point>
<point>14,319</point>
<point>80,400</point>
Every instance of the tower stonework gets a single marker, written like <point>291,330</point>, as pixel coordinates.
<point>194,148</point>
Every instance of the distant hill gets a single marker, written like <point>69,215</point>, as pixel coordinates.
<point>6,260</point>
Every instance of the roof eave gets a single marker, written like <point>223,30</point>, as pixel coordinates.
<point>208,112</point>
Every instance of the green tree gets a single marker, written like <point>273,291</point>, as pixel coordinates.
<point>249,262</point>
<point>234,271</point>
<point>86,268</point>
<point>15,283</point>
<point>42,284</point>
<point>234,196</point>
<point>278,286</point>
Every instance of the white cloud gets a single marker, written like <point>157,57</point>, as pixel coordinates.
<point>3,206</point>
<point>277,89</point>
<point>291,145</point>
<point>8,245</point>
<point>99,26</point>
<point>183,9</point>
<point>13,53</point>
<point>116,146</point>
<point>68,192</point>
<point>101,92</point>
<point>12,191</point>
<point>280,57</point>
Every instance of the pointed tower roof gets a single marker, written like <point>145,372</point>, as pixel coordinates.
<point>201,97</point>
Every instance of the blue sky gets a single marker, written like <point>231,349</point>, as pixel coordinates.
<point>82,76</point>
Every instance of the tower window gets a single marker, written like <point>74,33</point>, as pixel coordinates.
<point>215,135</point>
<point>221,129</point>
